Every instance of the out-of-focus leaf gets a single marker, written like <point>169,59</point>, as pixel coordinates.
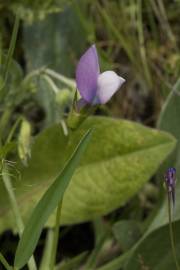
<point>24,140</point>
<point>54,100</point>
<point>56,42</point>
<point>120,158</point>
<point>46,97</point>
<point>57,46</point>
<point>155,252</point>
<point>127,232</point>
<point>47,205</point>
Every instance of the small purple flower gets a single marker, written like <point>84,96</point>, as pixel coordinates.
<point>95,87</point>
<point>170,180</point>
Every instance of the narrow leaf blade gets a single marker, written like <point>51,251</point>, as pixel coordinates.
<point>47,204</point>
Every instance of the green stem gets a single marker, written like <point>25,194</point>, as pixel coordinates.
<point>32,74</point>
<point>142,43</point>
<point>13,129</point>
<point>5,263</point>
<point>171,232</point>
<point>60,77</point>
<point>165,22</point>
<point>52,85</point>
<point>4,120</point>
<point>11,47</point>
<point>45,261</point>
<point>15,209</point>
<point>56,237</point>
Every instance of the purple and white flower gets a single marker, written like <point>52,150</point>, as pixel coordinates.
<point>95,87</point>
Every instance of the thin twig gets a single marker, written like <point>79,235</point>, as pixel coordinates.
<point>171,232</point>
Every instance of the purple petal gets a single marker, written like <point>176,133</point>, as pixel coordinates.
<point>87,74</point>
<point>108,83</point>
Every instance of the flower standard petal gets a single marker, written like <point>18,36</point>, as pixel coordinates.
<point>108,83</point>
<point>87,74</point>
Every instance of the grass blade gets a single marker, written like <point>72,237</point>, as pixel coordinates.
<point>47,205</point>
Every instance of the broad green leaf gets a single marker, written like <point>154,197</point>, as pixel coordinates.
<point>47,205</point>
<point>120,158</point>
<point>155,251</point>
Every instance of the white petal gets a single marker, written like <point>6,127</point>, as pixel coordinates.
<point>108,83</point>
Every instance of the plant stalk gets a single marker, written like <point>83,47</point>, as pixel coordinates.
<point>45,261</point>
<point>55,238</point>
<point>11,48</point>
<point>171,232</point>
